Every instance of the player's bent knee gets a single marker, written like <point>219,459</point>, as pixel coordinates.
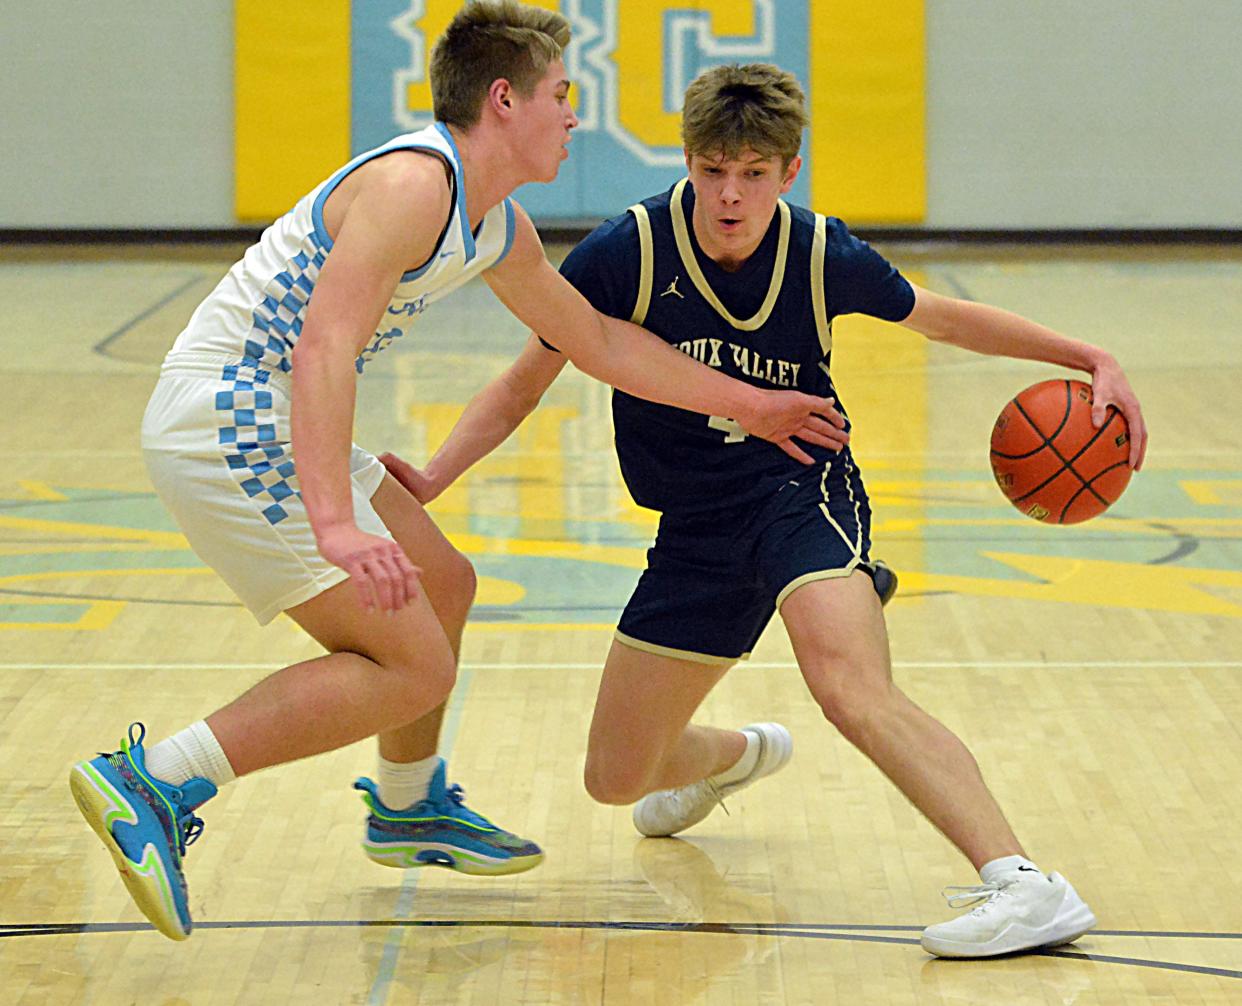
<point>425,684</point>
<point>462,583</point>
<point>616,787</point>
<point>424,695</point>
<point>442,678</point>
<point>467,581</point>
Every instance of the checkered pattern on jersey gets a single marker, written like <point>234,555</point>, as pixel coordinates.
<point>278,317</point>
<point>247,433</point>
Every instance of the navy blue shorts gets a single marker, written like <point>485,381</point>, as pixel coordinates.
<point>714,579</point>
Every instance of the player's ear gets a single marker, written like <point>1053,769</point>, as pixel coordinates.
<point>791,173</point>
<point>500,97</point>
<point>687,153</point>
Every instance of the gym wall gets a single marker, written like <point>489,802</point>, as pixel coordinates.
<point>947,114</point>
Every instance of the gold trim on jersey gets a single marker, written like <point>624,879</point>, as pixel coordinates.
<point>819,251</point>
<point>646,263</point>
<point>681,232</point>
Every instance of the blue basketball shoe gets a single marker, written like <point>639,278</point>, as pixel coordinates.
<point>146,824</point>
<point>442,831</point>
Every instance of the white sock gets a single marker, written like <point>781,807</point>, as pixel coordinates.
<point>989,871</point>
<point>743,767</point>
<point>403,784</point>
<point>192,752</point>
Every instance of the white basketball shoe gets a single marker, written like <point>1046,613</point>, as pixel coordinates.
<point>1022,909</point>
<point>668,811</point>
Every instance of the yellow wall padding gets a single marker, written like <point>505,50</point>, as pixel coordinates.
<point>868,161</point>
<point>292,101</point>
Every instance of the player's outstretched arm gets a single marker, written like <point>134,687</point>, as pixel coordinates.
<point>485,423</point>
<point>383,231</point>
<point>992,330</point>
<point>637,362</point>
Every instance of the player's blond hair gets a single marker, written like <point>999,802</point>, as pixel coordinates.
<point>757,107</point>
<point>488,40</point>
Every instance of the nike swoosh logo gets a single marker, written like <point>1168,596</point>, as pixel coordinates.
<point>1028,869</point>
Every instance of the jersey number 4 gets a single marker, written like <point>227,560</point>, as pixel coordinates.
<point>732,429</point>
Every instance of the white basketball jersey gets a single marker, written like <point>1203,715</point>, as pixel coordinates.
<point>255,314</point>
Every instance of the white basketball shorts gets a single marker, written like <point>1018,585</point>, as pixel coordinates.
<point>216,441</point>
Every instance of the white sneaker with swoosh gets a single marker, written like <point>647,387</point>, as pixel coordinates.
<point>1023,909</point>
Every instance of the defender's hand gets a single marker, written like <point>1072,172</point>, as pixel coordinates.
<point>382,573</point>
<point>1110,387</point>
<point>784,415</point>
<point>414,479</point>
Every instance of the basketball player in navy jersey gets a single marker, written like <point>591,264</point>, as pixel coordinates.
<point>731,275</point>
<point>247,441</point>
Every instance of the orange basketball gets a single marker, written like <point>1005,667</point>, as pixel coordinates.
<point>1051,462</point>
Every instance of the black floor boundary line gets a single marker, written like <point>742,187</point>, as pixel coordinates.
<point>812,931</point>
<point>1142,933</point>
<point>1198,969</point>
<point>106,342</point>
<point>1141,962</point>
<point>809,930</point>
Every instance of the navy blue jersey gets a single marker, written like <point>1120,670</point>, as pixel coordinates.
<point>769,324</point>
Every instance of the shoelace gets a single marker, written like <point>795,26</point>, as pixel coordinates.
<point>458,796</point>
<point>188,825</point>
<point>718,796</point>
<point>965,896</point>
<point>691,794</point>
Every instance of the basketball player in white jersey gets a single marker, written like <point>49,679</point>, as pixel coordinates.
<point>247,440</point>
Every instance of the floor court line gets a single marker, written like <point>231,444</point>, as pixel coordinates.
<point>856,934</point>
<point>106,342</point>
<point>14,929</point>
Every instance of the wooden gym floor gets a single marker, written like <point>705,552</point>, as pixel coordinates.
<point>1095,671</point>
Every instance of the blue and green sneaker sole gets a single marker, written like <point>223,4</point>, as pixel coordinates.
<point>452,856</point>
<point>105,805</point>
<point>441,831</point>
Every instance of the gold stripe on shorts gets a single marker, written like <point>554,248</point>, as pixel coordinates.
<point>668,651</point>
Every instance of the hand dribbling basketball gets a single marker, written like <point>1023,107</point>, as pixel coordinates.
<point>1050,459</point>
